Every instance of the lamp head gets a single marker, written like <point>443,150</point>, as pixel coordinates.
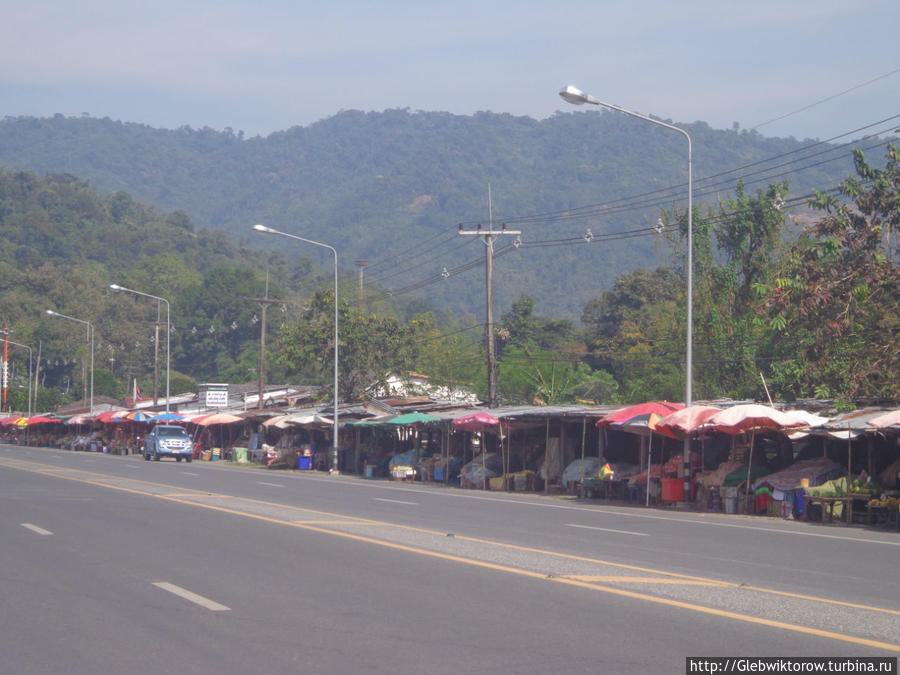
<point>574,95</point>
<point>115,287</point>
<point>262,228</point>
<point>51,312</point>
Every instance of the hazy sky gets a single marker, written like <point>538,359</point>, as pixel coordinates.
<point>266,65</point>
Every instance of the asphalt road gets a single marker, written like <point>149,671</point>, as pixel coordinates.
<point>115,565</point>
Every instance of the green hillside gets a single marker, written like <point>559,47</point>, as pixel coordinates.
<point>391,188</point>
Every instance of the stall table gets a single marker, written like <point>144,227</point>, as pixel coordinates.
<point>596,488</point>
<point>828,504</point>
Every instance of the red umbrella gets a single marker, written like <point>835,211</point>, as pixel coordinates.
<point>40,419</point>
<point>687,421</point>
<point>478,421</point>
<point>623,415</point>
<point>110,416</point>
<point>10,421</point>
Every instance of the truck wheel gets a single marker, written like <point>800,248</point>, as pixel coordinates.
<point>178,459</point>
<point>187,459</point>
<point>155,456</point>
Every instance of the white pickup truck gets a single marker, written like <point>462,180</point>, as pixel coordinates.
<point>168,440</point>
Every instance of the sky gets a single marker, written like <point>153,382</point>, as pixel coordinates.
<point>802,68</point>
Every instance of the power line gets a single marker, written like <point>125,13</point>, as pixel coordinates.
<point>629,204</point>
<point>827,98</point>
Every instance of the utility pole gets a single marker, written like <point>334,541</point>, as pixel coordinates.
<point>156,358</point>
<point>361,264</point>
<point>265,302</point>
<point>488,238</point>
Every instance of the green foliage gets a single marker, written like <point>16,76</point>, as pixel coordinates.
<point>62,246</point>
<point>370,347</point>
<point>531,375</point>
<point>451,361</point>
<point>820,316</point>
<point>378,185</point>
<point>837,292</point>
<point>635,332</point>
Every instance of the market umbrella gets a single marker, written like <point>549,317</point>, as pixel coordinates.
<point>479,421</point>
<point>623,415</point>
<point>167,417</point>
<point>687,421</point>
<point>752,417</point>
<point>413,418</point>
<point>78,419</point>
<point>41,419</point>
<point>11,421</point>
<point>891,419</point>
<point>217,418</point>
<point>110,416</point>
<point>137,416</point>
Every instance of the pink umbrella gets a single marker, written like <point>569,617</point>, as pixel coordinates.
<point>478,421</point>
<point>890,419</point>
<point>751,417</point>
<point>623,415</point>
<point>687,421</point>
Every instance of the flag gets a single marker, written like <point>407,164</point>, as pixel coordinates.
<point>136,396</point>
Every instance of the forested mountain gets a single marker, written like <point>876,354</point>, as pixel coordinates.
<point>794,267</point>
<point>585,189</point>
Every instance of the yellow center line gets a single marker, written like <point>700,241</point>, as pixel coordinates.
<point>569,581</point>
<point>612,579</point>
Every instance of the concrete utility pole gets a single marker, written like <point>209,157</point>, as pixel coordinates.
<point>361,264</point>
<point>265,302</point>
<point>488,238</point>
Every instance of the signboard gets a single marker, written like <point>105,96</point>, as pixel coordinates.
<point>213,395</point>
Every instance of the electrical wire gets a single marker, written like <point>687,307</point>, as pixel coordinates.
<point>629,203</point>
<point>826,99</point>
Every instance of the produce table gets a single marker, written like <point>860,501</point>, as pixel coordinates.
<point>828,503</point>
<point>595,488</point>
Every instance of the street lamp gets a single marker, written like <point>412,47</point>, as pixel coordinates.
<point>116,287</point>
<point>90,336</point>
<point>262,229</point>
<point>577,97</point>
<point>29,368</point>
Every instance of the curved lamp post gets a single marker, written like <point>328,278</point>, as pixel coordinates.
<point>90,336</point>
<point>116,287</point>
<point>577,97</point>
<point>262,229</point>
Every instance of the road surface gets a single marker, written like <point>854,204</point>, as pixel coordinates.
<point>115,565</point>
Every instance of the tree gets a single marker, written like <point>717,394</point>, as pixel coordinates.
<point>371,347</point>
<point>521,326</point>
<point>531,375</point>
<point>635,333</point>
<point>451,360</point>
<point>834,307</point>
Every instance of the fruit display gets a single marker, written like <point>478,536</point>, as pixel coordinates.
<point>887,502</point>
<point>860,486</point>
